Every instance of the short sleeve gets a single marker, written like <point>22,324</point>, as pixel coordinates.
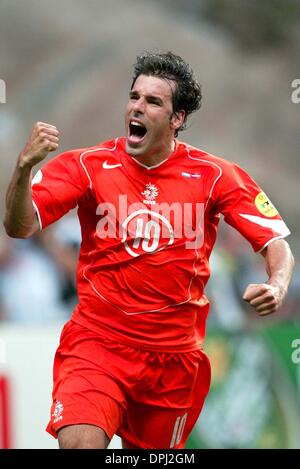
<point>247,208</point>
<point>58,187</point>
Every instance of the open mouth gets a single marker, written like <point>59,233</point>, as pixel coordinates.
<point>137,132</point>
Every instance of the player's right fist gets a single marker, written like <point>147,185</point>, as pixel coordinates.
<point>42,140</point>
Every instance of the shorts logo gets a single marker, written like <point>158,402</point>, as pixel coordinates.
<point>265,206</point>
<point>58,410</point>
<point>178,431</point>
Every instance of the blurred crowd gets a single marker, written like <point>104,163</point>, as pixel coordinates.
<point>38,278</point>
<point>38,275</point>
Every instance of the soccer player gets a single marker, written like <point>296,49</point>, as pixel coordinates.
<point>130,360</point>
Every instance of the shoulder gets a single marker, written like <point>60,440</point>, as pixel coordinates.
<point>95,150</point>
<point>83,161</point>
<point>89,155</point>
<point>208,158</point>
<point>100,152</point>
<point>214,165</point>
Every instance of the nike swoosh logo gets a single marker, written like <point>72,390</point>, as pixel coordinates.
<point>106,165</point>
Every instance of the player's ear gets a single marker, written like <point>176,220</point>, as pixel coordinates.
<point>177,119</point>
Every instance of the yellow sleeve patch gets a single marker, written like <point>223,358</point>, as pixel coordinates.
<point>265,206</point>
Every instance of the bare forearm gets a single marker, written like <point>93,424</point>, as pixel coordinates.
<point>20,219</point>
<point>279,264</point>
<point>267,297</point>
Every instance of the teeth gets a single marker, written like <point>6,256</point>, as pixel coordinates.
<point>136,123</point>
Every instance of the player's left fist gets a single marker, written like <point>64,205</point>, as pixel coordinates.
<point>265,298</point>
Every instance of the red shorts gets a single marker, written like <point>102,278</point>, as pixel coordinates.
<point>150,399</point>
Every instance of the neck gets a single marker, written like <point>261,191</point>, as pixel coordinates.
<point>155,158</point>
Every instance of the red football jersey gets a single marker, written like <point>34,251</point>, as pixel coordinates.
<point>147,234</point>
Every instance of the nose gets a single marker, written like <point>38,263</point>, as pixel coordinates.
<point>139,106</point>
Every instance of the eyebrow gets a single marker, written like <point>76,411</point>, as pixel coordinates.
<point>149,98</point>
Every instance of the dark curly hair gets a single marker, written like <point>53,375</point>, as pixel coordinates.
<point>187,95</point>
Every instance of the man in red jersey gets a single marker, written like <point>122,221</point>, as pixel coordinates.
<point>130,360</point>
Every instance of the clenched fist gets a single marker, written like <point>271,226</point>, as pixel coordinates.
<point>42,140</point>
<point>265,298</point>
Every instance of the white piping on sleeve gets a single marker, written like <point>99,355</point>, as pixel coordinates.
<point>38,215</point>
<point>86,171</point>
<point>269,242</point>
<point>277,225</point>
<point>210,162</point>
<point>91,151</point>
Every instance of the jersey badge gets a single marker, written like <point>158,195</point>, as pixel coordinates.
<point>265,206</point>
<point>150,194</point>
